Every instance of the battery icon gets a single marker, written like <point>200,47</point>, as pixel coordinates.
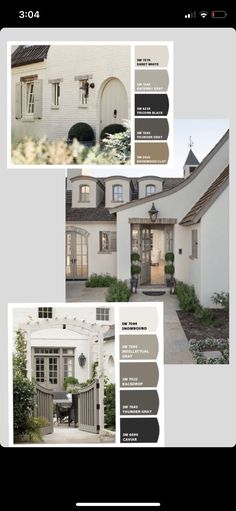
<point>218,14</point>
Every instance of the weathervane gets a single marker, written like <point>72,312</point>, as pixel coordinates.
<point>191,143</point>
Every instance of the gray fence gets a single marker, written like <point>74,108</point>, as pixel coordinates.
<point>88,408</point>
<point>44,407</point>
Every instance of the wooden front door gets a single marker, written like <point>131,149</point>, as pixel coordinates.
<point>114,103</point>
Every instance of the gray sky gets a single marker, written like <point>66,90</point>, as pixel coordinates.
<point>205,134</point>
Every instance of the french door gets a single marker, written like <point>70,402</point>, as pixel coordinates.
<point>145,238</point>
<point>76,255</point>
<point>47,371</point>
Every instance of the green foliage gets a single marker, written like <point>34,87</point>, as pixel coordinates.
<point>204,315</point>
<point>169,269</point>
<point>111,129</point>
<point>33,429</point>
<point>109,405</point>
<point>186,295</point>
<point>197,349</point>
<point>221,299</point>
<point>169,256</point>
<point>135,256</point>
<point>69,380</point>
<point>82,132</point>
<point>100,280</point>
<point>118,292</point>
<point>23,403</point>
<point>94,369</point>
<point>135,269</point>
<point>19,356</point>
<point>29,151</point>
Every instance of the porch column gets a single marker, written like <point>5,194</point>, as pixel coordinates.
<point>101,380</point>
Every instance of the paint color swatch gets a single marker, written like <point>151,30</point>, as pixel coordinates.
<point>131,320</point>
<point>152,154</point>
<point>151,105</point>
<point>151,56</point>
<point>136,375</point>
<point>139,402</point>
<point>138,347</point>
<point>150,80</point>
<point>139,430</point>
<point>151,129</point>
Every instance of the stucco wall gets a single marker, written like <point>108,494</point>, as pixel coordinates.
<point>66,62</point>
<point>215,249</point>
<point>109,203</point>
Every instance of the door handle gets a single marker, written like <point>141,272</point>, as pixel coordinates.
<point>115,113</point>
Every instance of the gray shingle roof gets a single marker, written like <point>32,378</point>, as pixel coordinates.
<point>24,55</point>
<point>191,159</point>
<point>98,214</point>
<point>199,208</point>
<point>171,182</point>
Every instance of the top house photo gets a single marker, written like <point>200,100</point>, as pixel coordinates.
<point>70,104</point>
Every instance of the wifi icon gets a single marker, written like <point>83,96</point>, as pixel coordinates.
<point>203,14</point>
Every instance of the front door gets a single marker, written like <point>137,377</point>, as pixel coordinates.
<point>76,256</point>
<point>52,365</point>
<point>47,371</point>
<point>114,103</point>
<point>145,276</point>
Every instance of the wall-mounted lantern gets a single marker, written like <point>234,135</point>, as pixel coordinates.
<point>153,212</point>
<point>82,360</point>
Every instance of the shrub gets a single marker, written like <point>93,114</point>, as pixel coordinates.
<point>186,295</point>
<point>69,380</point>
<point>221,299</point>
<point>112,129</point>
<point>19,357</point>
<point>118,292</point>
<point>135,256</point>
<point>34,425</point>
<point>197,349</point>
<point>205,315</point>
<point>82,132</point>
<point>169,256</point>
<point>23,403</point>
<point>100,280</point>
<point>135,269</point>
<point>109,404</point>
<point>169,269</point>
<point>118,145</point>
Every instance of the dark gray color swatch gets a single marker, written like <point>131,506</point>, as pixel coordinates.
<point>139,430</point>
<point>138,347</point>
<point>151,129</point>
<point>149,105</point>
<point>138,374</point>
<point>139,402</point>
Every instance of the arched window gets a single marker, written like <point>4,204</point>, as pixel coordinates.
<point>117,193</point>
<point>84,193</point>
<point>150,189</point>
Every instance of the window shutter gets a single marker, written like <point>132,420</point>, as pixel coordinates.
<point>100,241</point>
<point>194,243</point>
<point>113,241</point>
<point>18,101</point>
<point>38,89</point>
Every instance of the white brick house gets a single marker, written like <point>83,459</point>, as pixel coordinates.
<point>108,219</point>
<point>55,87</point>
<point>57,337</point>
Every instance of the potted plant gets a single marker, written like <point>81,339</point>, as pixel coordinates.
<point>169,267</point>
<point>135,271</point>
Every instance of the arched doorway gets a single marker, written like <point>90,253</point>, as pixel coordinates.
<point>113,103</point>
<point>76,253</point>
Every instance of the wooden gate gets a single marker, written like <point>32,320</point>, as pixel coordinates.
<point>89,408</point>
<point>44,407</point>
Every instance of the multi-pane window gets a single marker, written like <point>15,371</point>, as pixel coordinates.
<point>145,245</point>
<point>117,194</point>
<point>68,366</point>
<point>107,241</point>
<point>53,365</point>
<point>29,98</point>
<point>150,189</point>
<point>135,239</point>
<point>102,314</point>
<point>53,370</point>
<point>40,369</point>
<point>45,312</point>
<point>194,244</point>
<point>83,92</point>
<point>84,193</point>
<point>55,94</point>
<point>169,240</point>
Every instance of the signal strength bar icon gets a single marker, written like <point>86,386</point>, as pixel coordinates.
<point>190,15</point>
<point>203,14</point>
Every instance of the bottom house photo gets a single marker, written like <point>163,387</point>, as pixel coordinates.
<point>63,375</point>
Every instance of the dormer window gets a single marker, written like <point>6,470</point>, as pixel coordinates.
<point>117,193</point>
<point>84,193</point>
<point>150,189</point>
